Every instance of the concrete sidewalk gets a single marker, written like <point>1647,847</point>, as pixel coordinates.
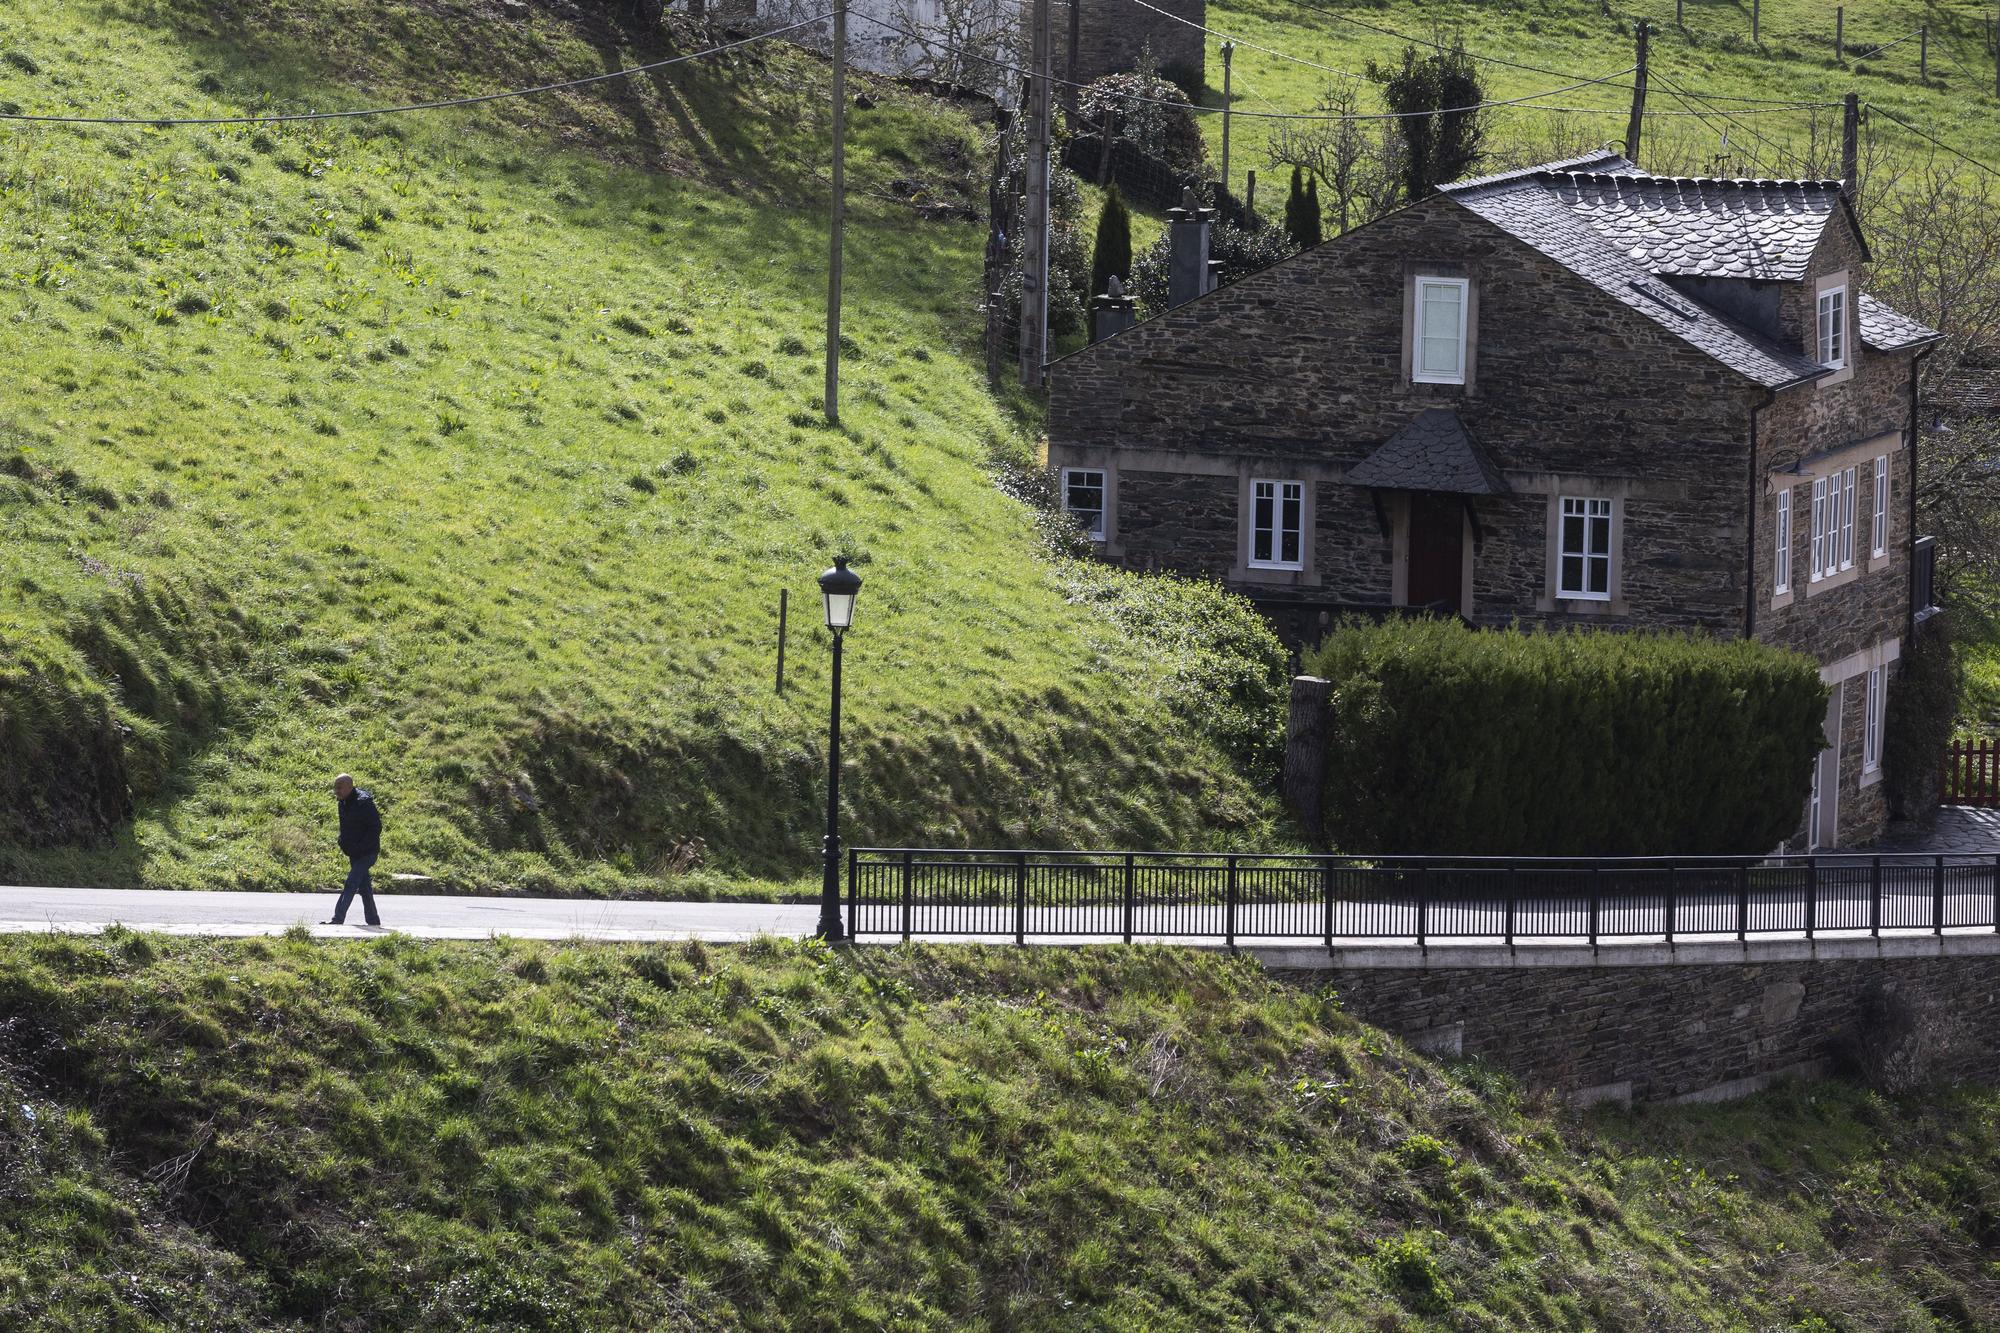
<point>427,916</point>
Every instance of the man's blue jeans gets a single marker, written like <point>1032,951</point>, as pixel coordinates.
<point>358,882</point>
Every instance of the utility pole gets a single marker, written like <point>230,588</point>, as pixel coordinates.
<point>1070,87</point>
<point>1840,33</point>
<point>1756,20</point>
<point>1635,129</point>
<point>1228,50</point>
<point>839,213</point>
<point>1035,226</point>
<point>1850,144</point>
<point>1924,54</point>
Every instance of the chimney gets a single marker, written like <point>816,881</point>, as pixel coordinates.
<point>1188,272</point>
<point>1112,312</point>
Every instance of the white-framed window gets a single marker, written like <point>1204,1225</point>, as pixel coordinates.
<point>1833,328</point>
<point>1871,726</point>
<point>1083,497</point>
<point>1878,530</point>
<point>1437,338</point>
<point>1584,568</point>
<point>1820,530</point>
<point>1845,480</point>
<point>1781,576</point>
<point>1277,524</point>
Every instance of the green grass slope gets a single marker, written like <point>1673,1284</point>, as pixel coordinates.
<point>513,1136</point>
<point>471,451</point>
<point>1712,52</point>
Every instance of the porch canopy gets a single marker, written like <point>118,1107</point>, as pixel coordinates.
<point>1432,453</point>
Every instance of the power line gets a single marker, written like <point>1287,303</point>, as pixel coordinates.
<point>1245,42</point>
<point>1673,91</point>
<point>163,122</point>
<point>1991,171</point>
<point>1804,168</point>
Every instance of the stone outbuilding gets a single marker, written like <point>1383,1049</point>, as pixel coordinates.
<point>1575,394</point>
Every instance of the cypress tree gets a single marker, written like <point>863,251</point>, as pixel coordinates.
<point>1314,233</point>
<point>1112,255</point>
<point>1295,211</point>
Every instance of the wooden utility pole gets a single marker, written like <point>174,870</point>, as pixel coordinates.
<point>1678,22</point>
<point>1924,54</point>
<point>1035,226</point>
<point>1850,144</point>
<point>1756,20</point>
<point>1636,127</point>
<point>1228,50</point>
<point>1071,88</point>
<point>839,213</point>
<point>1840,33</point>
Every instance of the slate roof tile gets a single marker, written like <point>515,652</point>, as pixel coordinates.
<point>1887,330</point>
<point>1431,453</point>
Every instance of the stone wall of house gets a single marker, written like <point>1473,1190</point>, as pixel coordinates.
<point>1853,613</point>
<point>1114,34</point>
<point>1657,1033</point>
<point>1300,371</point>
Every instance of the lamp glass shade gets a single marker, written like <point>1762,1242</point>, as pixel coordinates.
<point>839,585</point>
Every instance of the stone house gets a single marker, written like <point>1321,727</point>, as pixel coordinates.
<point>1574,394</point>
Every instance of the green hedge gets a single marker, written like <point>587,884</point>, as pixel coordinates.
<point>1450,740</point>
<point>1923,707</point>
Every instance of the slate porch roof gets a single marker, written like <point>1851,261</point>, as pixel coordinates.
<point>1625,231</point>
<point>1431,453</point>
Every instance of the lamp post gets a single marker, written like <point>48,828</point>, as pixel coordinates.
<point>839,586</point>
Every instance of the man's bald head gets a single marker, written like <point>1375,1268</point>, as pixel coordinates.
<point>342,785</point>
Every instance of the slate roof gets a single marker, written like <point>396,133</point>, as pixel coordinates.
<point>1526,209</point>
<point>1887,331</point>
<point>1431,453</point>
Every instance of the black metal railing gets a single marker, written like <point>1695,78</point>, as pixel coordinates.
<point>1018,894</point>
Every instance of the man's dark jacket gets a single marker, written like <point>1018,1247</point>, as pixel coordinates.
<point>360,825</point>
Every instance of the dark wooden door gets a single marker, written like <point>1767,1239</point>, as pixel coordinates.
<point>1437,550</point>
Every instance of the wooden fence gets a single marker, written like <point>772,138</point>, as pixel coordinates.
<point>1972,774</point>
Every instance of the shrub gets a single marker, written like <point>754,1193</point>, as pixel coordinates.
<point>1112,256</point>
<point>1241,251</point>
<point>1149,113</point>
<point>1455,741</point>
<point>1922,705</point>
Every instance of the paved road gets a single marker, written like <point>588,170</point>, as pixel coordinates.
<point>426,915</point>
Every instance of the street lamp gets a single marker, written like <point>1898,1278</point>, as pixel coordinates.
<point>839,585</point>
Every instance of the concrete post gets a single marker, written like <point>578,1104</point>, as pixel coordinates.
<point>1188,274</point>
<point>1305,751</point>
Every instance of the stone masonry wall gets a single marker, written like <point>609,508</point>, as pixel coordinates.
<point>1113,34</point>
<point>1298,371</point>
<point>1680,1031</point>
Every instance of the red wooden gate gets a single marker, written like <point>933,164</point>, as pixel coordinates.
<point>1972,773</point>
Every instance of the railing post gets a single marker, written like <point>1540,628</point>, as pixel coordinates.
<point>1743,903</point>
<point>1512,897</point>
<point>1937,896</point>
<point>909,889</point>
<point>1020,897</point>
<point>1229,902</point>
<point>1996,895</point>
<point>1131,890</point>
<point>1875,899</point>
<point>1673,899</point>
<point>1326,900</point>
<point>853,897</point>
<point>1596,899</point>
<point>1812,893</point>
<point>1423,905</point>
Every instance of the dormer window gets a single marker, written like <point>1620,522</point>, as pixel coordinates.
<point>1833,328</point>
<point>1438,342</point>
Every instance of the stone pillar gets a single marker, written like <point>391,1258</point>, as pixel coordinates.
<point>1188,274</point>
<point>1113,312</point>
<point>1305,752</point>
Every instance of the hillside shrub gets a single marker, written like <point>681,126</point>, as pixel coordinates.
<point>1451,740</point>
<point>1922,707</point>
<point>1151,114</point>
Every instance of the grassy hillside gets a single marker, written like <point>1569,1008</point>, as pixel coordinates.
<point>509,1136</point>
<point>1712,53</point>
<point>471,450</point>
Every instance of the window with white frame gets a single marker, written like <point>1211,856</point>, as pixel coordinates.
<point>1871,727</point>
<point>1878,539</point>
<point>1585,556</point>
<point>1820,528</point>
<point>1277,524</point>
<point>1781,576</point>
<point>1083,497</point>
<point>1833,328</point>
<point>1437,351</point>
<point>1845,480</point>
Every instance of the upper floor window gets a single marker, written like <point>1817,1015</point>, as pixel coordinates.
<point>1833,328</point>
<point>1832,524</point>
<point>1083,497</point>
<point>1437,354</point>
<point>1781,577</point>
<point>1871,732</point>
<point>1585,552</point>
<point>1277,524</point>
<point>1879,529</point>
<point>1845,481</point>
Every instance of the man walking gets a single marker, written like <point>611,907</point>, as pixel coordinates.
<point>361,840</point>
